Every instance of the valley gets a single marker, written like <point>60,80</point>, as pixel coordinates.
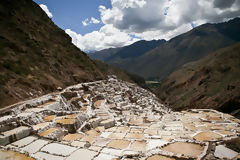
<point>140,98</point>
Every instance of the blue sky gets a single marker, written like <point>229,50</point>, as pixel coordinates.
<point>69,14</point>
<point>117,23</point>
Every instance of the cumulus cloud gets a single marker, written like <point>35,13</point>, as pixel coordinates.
<point>223,3</point>
<point>167,17</point>
<point>106,37</point>
<point>87,22</point>
<point>160,19</point>
<point>45,9</point>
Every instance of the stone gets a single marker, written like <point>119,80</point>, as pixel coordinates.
<point>35,146</point>
<point>129,153</point>
<point>117,135</point>
<point>95,148</point>
<point>101,142</point>
<point>134,136</point>
<point>139,146</point>
<point>118,144</point>
<point>110,151</point>
<point>72,137</point>
<point>136,130</point>
<point>93,133</point>
<point>105,134</point>
<point>89,139</point>
<point>54,133</point>
<point>100,129</point>
<point>223,152</point>
<point>107,123</point>
<point>14,135</point>
<point>41,126</point>
<point>48,132</point>
<point>10,155</point>
<point>152,143</point>
<point>47,156</point>
<point>82,154</point>
<point>168,138</point>
<point>151,131</point>
<point>103,156</point>
<point>25,141</point>
<point>49,118</point>
<point>184,148</point>
<point>95,122</point>
<point>80,144</point>
<point>159,157</point>
<point>69,124</point>
<point>207,136</point>
<point>58,149</point>
<point>122,129</point>
<point>112,129</point>
<point>136,121</point>
<point>98,103</point>
<point>4,140</point>
<point>226,133</point>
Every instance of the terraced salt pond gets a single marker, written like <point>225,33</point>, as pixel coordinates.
<point>113,120</point>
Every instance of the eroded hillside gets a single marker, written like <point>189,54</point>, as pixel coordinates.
<point>212,82</point>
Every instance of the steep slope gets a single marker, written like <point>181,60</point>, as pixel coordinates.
<point>212,82</point>
<point>35,55</point>
<point>117,55</point>
<point>109,69</point>
<point>190,46</point>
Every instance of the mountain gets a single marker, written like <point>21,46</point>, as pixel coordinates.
<point>193,45</point>
<point>116,55</point>
<point>211,82</point>
<point>37,57</point>
<point>103,54</point>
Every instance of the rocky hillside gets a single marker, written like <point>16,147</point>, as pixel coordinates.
<point>212,82</point>
<point>158,63</point>
<point>37,57</point>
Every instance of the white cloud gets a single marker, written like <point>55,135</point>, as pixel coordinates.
<point>106,37</point>
<point>154,19</point>
<point>45,9</point>
<point>87,22</point>
<point>166,17</point>
<point>94,20</point>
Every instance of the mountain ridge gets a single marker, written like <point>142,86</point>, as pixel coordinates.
<point>162,60</point>
<point>211,82</point>
<point>130,51</point>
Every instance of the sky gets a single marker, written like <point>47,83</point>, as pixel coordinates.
<point>99,24</point>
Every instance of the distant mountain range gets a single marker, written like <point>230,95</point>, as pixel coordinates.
<point>160,60</point>
<point>211,82</point>
<point>116,55</point>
